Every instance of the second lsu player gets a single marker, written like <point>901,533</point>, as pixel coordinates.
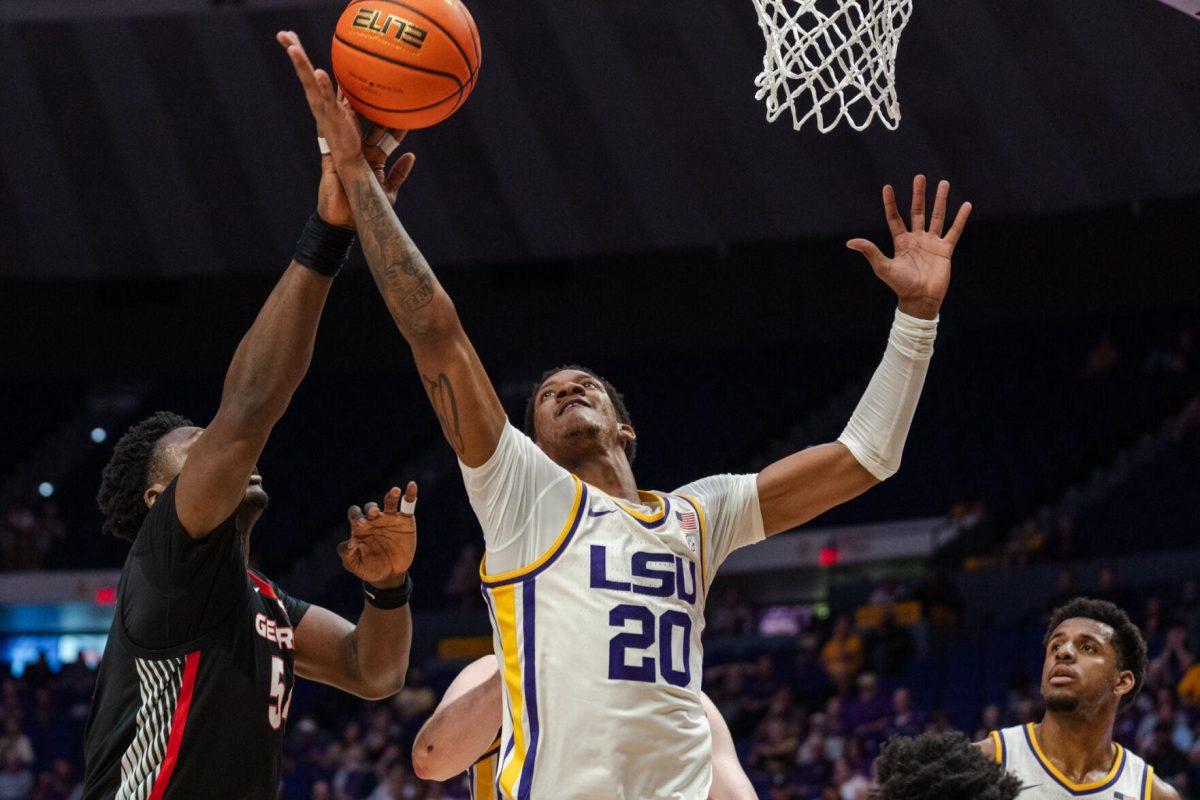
<point>456,737</point>
<point>596,589</point>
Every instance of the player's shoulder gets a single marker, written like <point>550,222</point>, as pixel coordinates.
<point>1163,790</point>
<point>712,486</point>
<point>989,746</point>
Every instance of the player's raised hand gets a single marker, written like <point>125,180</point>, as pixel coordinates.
<point>339,126</point>
<point>336,122</point>
<point>919,272</point>
<point>382,541</point>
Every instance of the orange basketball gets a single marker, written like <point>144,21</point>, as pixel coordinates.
<point>406,63</point>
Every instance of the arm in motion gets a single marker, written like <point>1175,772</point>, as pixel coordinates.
<point>803,485</point>
<point>462,396</point>
<point>465,722</point>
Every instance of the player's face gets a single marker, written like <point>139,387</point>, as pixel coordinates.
<point>1080,671</point>
<point>573,414</point>
<point>173,452</point>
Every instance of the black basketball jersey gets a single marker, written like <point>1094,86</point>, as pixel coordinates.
<point>193,691</point>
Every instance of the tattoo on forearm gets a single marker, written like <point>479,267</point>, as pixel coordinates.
<point>441,396</point>
<point>403,275</point>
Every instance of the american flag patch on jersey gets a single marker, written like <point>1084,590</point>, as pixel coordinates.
<point>687,520</point>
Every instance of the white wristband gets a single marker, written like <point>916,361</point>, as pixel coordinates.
<point>876,431</point>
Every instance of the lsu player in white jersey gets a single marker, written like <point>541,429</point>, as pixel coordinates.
<point>596,589</point>
<point>455,738</point>
<point>1095,665</point>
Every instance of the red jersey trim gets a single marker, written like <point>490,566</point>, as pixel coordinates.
<point>178,723</point>
<point>264,587</point>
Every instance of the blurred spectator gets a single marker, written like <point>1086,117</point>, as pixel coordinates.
<point>1109,588</point>
<point>842,655</point>
<point>16,779</point>
<point>1065,589</point>
<point>867,713</point>
<point>26,535</point>
<point>1166,713</point>
<point>14,744</point>
<point>890,647</point>
<point>728,615</point>
<point>851,785</point>
<point>905,720</point>
<point>1170,665</point>
<point>463,586</point>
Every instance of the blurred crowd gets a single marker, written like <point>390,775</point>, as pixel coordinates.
<point>809,698</point>
<point>27,534</point>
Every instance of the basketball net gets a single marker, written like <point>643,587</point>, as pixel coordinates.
<point>832,60</point>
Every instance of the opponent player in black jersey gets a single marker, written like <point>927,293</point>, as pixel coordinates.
<point>195,684</point>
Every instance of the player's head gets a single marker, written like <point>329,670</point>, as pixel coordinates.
<point>144,462</point>
<point>1095,658</point>
<point>573,412</point>
<point>940,766</point>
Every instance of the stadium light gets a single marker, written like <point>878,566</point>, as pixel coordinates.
<point>45,488</point>
<point>99,435</point>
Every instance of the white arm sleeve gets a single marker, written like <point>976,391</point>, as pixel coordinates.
<point>876,432</point>
<point>522,500</point>
<point>731,514</point>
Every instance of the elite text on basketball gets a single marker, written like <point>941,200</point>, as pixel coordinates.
<point>390,25</point>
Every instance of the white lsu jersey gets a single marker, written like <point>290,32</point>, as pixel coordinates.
<point>1018,751</point>
<point>598,636</point>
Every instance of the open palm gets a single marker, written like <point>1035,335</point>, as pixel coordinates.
<point>919,272</point>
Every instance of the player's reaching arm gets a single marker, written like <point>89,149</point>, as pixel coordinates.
<point>270,361</point>
<point>463,725</point>
<point>267,367</point>
<point>797,488</point>
<point>466,404</point>
<point>369,659</point>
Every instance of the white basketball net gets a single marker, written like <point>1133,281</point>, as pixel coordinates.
<point>832,60</point>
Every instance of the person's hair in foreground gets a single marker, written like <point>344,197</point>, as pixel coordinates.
<point>940,766</point>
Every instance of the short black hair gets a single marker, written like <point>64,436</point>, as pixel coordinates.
<point>941,766</point>
<point>1127,638</point>
<point>618,402</point>
<point>127,474</point>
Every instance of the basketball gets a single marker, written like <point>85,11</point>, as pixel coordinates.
<point>406,64</point>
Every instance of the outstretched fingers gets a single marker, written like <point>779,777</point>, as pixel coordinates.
<point>892,213</point>
<point>960,222</point>
<point>318,88</point>
<point>918,204</point>
<point>872,253</point>
<point>939,208</point>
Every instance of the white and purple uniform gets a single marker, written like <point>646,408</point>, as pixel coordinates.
<point>597,609</point>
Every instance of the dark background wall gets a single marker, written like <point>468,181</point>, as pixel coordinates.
<point>141,140</point>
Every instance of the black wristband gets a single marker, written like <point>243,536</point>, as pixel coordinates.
<point>323,248</point>
<point>388,599</point>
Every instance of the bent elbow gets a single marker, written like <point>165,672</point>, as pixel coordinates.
<point>425,762</point>
<point>380,691</point>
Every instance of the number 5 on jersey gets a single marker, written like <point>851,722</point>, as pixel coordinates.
<point>281,698</point>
